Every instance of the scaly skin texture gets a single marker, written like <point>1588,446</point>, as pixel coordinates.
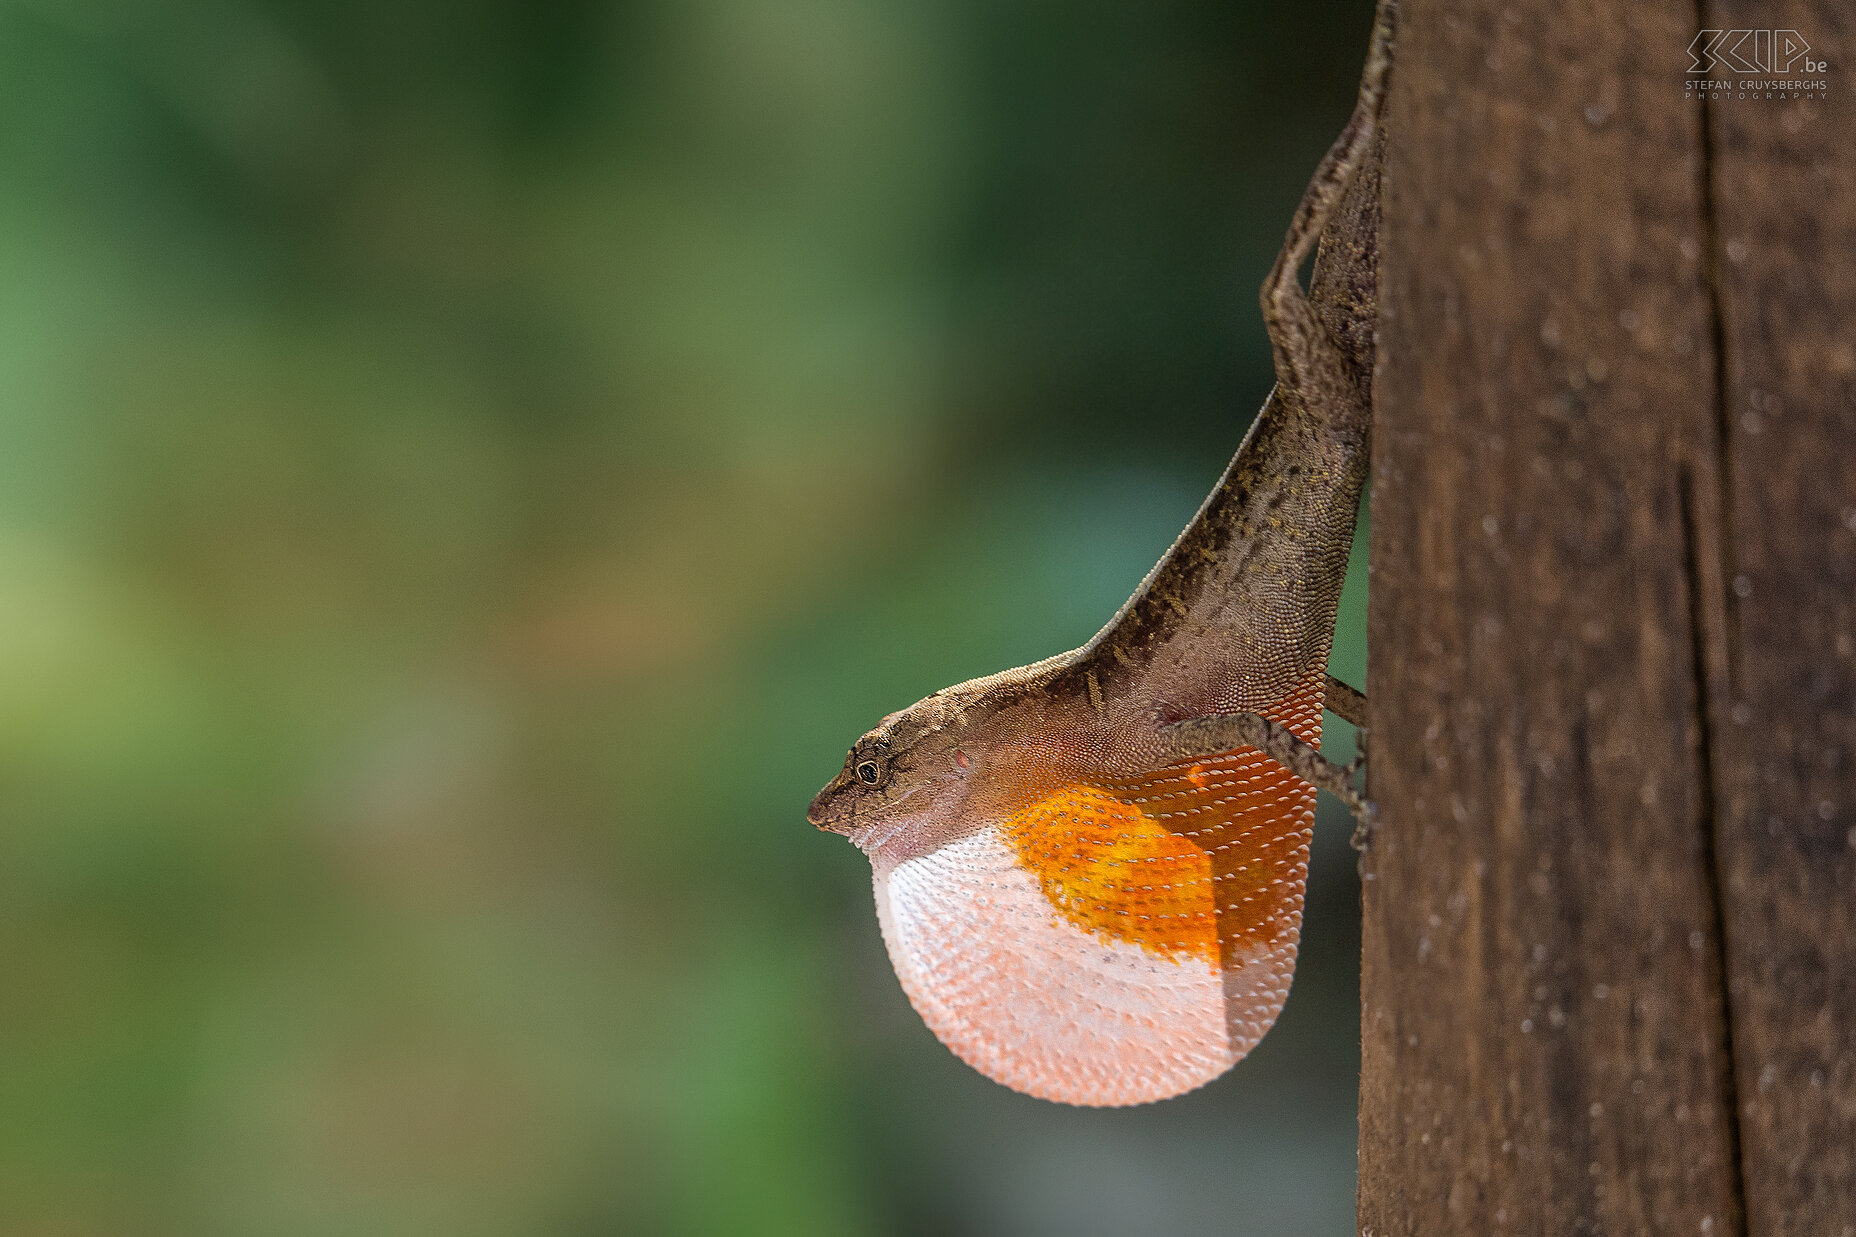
<point>1089,870</point>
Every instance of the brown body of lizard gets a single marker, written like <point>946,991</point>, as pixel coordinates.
<point>1089,870</point>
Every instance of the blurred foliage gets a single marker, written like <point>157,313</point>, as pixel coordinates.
<point>468,469</point>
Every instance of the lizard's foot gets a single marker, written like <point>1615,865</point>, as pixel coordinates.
<point>1365,822</point>
<point>1368,814</point>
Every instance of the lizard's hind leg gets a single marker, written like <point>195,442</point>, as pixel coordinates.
<point>1295,335</point>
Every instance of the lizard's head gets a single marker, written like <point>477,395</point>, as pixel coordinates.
<point>904,784</point>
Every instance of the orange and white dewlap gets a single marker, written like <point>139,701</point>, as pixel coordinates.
<point>1114,941</point>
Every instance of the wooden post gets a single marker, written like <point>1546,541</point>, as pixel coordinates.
<point>1609,980</point>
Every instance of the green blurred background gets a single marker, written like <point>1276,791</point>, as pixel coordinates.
<point>468,468</point>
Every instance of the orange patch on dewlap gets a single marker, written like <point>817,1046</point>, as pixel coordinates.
<point>1176,859</point>
<point>1110,868</point>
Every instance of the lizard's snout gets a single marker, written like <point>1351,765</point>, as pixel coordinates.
<point>820,813</point>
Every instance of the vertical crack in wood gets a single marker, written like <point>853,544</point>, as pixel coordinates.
<point>1705,497</point>
<point>1716,454</point>
<point>1706,517</point>
<point>1699,629</point>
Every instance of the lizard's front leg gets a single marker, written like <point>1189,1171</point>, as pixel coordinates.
<point>1222,732</point>
<point>1345,702</point>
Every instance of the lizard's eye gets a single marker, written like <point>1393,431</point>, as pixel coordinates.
<point>868,773</point>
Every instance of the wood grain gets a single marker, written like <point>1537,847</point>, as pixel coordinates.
<point>1782,180</point>
<point>1547,1044</point>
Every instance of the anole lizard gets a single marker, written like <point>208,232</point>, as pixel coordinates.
<point>1089,870</point>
